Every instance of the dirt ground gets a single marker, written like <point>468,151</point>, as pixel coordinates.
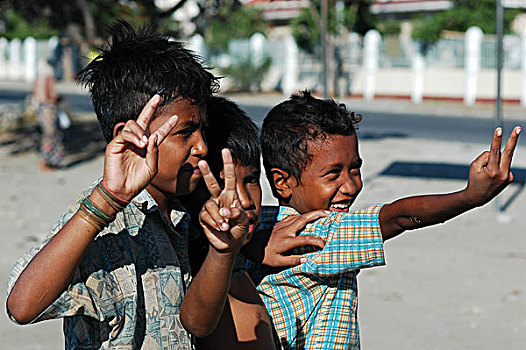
<point>459,285</point>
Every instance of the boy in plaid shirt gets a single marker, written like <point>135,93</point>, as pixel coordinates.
<point>310,154</point>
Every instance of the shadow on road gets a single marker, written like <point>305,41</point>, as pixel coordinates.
<point>449,172</point>
<point>83,141</point>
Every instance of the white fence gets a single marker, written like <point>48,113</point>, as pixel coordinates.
<point>460,68</point>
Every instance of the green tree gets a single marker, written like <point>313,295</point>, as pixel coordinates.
<point>464,14</point>
<point>87,19</point>
<point>306,26</point>
<point>233,22</point>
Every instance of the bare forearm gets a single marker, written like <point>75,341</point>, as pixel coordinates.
<point>421,211</point>
<point>204,302</point>
<point>47,276</point>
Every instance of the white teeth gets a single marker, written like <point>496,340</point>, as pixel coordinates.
<point>340,206</point>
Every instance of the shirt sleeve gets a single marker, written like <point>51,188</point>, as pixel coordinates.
<point>353,241</point>
<point>75,299</point>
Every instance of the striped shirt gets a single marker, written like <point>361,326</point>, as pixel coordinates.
<point>314,305</point>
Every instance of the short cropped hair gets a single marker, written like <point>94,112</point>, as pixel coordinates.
<point>292,126</point>
<point>229,127</point>
<point>137,65</point>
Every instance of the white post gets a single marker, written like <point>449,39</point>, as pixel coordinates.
<point>523,68</point>
<point>371,52</point>
<point>354,55</point>
<point>257,44</point>
<point>197,45</point>
<point>472,63</point>
<point>291,66</point>
<point>417,64</point>
<point>3,60</point>
<point>13,67</point>
<point>30,59</point>
<point>52,44</point>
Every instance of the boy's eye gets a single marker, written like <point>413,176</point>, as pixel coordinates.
<point>355,171</point>
<point>332,174</point>
<point>252,180</point>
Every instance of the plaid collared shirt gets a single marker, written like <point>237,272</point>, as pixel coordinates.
<point>314,305</point>
<point>127,290</point>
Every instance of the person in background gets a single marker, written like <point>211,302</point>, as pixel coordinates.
<point>45,99</point>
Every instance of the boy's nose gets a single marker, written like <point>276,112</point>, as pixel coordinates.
<point>352,185</point>
<point>244,198</point>
<point>200,148</point>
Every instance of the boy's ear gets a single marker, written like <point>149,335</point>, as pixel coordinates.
<point>118,128</point>
<point>283,183</point>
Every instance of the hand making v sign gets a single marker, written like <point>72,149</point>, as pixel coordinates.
<point>223,219</point>
<point>491,172</point>
<point>131,157</point>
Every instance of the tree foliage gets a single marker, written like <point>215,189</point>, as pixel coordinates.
<point>233,22</point>
<point>464,14</point>
<point>88,19</point>
<point>306,27</point>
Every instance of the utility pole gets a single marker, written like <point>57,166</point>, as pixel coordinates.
<point>324,48</point>
<point>499,25</point>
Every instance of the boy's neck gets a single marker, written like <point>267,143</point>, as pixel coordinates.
<point>160,198</point>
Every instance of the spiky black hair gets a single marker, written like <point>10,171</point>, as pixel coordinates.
<point>137,65</point>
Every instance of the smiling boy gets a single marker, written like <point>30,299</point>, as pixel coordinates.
<point>311,158</point>
<point>115,266</point>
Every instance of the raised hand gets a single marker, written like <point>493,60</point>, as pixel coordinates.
<point>284,238</point>
<point>131,157</point>
<point>490,173</point>
<point>224,221</point>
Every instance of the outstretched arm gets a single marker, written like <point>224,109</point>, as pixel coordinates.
<point>130,164</point>
<point>225,224</point>
<point>489,174</point>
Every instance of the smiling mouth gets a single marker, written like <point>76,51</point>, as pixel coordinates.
<point>342,207</point>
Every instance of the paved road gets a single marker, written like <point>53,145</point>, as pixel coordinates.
<point>374,125</point>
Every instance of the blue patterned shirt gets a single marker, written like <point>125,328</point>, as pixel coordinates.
<point>127,290</point>
<point>314,305</point>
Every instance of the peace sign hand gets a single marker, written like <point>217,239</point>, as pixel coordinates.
<point>131,157</point>
<point>224,221</point>
<point>491,172</point>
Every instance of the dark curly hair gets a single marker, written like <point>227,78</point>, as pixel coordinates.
<point>137,65</point>
<point>291,126</point>
<point>229,127</point>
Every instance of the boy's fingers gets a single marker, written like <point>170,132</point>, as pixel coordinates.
<point>481,160</point>
<point>304,219</point>
<point>135,128</point>
<point>494,152</point>
<point>228,170</point>
<point>210,180</point>
<point>152,153</point>
<point>147,112</point>
<point>129,137</point>
<point>509,149</point>
<point>166,128</point>
<point>300,241</point>
<point>290,260</point>
<point>210,215</point>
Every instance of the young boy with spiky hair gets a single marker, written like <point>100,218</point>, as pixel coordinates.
<point>115,266</point>
<point>311,158</point>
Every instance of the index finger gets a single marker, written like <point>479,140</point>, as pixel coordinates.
<point>147,112</point>
<point>210,180</point>
<point>494,152</point>
<point>507,154</point>
<point>228,170</point>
